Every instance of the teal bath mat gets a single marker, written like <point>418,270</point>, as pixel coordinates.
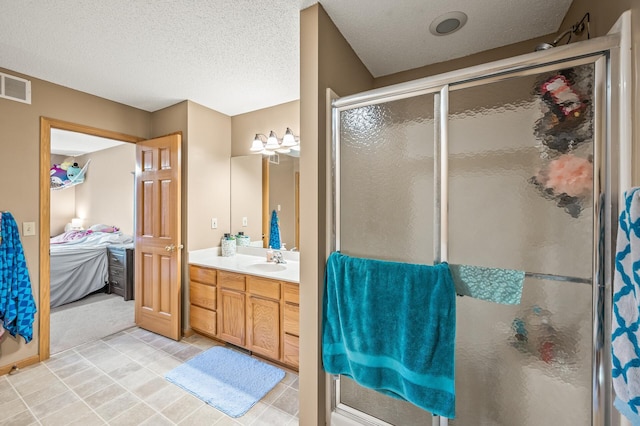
<point>226,379</point>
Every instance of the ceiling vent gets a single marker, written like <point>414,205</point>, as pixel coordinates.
<point>15,88</point>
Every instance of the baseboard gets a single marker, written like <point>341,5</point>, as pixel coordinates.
<point>16,366</point>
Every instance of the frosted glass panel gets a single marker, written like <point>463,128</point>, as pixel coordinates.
<point>387,195</point>
<point>520,197</point>
<point>525,365</point>
<point>512,162</point>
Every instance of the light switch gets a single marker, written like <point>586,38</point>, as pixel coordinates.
<point>244,221</point>
<point>214,223</point>
<point>28,228</point>
<point>278,207</point>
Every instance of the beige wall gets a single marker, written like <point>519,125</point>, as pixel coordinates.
<point>326,61</point>
<point>107,194</point>
<point>246,195</point>
<point>208,176</point>
<point>20,142</point>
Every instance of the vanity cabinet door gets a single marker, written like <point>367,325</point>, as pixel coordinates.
<point>263,326</point>
<point>231,308</point>
<point>263,316</point>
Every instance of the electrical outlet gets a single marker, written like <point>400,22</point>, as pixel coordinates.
<point>28,228</point>
<point>244,221</point>
<point>214,223</point>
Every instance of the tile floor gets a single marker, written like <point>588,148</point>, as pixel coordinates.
<point>119,381</point>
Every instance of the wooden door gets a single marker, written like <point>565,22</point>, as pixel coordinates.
<point>158,240</point>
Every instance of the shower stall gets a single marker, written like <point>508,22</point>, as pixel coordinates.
<point>513,165</point>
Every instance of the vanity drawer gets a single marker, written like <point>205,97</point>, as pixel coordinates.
<point>202,295</point>
<point>264,287</point>
<point>291,319</point>
<point>203,320</point>
<point>291,350</point>
<point>202,275</point>
<point>231,280</point>
<point>291,293</point>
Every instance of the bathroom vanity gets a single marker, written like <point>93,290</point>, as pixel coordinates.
<point>248,302</point>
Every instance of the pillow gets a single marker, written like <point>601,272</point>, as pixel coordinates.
<point>104,228</point>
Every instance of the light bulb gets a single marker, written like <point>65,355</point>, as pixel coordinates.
<point>272,141</point>
<point>288,139</point>
<point>257,145</point>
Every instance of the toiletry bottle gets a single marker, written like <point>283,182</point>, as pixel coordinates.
<point>269,254</point>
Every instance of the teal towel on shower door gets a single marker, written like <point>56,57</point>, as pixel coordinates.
<point>391,327</point>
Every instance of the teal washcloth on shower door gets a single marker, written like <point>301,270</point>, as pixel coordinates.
<point>391,327</point>
<point>491,284</point>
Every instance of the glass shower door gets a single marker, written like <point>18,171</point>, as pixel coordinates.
<point>520,197</point>
<point>522,172</point>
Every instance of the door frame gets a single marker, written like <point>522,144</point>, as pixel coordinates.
<point>44,309</point>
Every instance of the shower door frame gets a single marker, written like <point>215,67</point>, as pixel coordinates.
<point>611,167</point>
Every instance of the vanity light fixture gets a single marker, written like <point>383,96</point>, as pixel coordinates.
<point>272,144</point>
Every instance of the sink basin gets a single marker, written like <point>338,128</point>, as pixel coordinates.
<point>267,267</point>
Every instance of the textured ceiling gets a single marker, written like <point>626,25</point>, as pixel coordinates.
<point>236,56</point>
<point>393,36</point>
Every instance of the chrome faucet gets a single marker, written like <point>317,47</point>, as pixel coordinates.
<point>277,257</point>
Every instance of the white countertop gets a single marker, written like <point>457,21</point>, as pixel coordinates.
<point>250,264</point>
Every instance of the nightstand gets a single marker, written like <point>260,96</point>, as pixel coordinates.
<point>121,276</point>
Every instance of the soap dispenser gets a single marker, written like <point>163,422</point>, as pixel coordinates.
<point>269,254</point>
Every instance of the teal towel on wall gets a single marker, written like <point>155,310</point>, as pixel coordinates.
<point>491,284</point>
<point>391,327</point>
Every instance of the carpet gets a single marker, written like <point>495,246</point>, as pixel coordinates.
<point>226,379</point>
<point>89,319</point>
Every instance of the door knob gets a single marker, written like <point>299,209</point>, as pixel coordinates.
<point>172,247</point>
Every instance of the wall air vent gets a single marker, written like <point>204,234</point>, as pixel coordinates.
<point>15,88</point>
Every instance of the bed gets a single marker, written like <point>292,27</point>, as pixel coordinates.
<point>79,262</point>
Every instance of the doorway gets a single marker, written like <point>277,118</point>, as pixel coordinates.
<point>46,126</point>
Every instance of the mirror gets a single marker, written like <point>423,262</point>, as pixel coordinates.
<point>260,185</point>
